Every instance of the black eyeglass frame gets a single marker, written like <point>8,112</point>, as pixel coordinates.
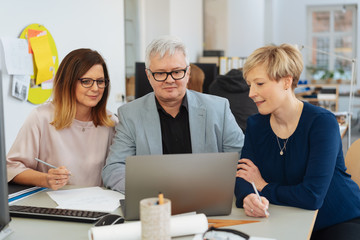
<point>235,232</point>
<point>168,73</point>
<point>94,80</point>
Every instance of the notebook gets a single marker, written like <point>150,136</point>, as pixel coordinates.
<point>193,182</point>
<point>17,192</point>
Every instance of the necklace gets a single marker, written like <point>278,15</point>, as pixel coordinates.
<point>83,128</point>
<point>282,149</point>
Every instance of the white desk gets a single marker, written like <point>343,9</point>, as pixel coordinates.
<point>284,223</point>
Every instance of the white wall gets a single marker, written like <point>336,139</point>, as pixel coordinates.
<point>268,21</point>
<point>235,26</point>
<point>94,24</point>
<point>182,18</point>
<point>186,22</point>
<point>216,20</point>
<point>245,27</point>
<point>156,19</point>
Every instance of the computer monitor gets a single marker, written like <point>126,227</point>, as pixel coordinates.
<point>143,87</point>
<point>4,205</point>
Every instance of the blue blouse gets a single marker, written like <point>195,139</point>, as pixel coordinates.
<point>311,172</point>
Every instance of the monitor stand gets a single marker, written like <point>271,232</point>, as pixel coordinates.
<point>5,232</point>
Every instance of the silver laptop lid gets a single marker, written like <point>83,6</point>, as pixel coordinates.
<point>193,182</point>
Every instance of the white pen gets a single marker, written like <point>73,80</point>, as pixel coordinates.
<point>47,164</point>
<point>257,193</point>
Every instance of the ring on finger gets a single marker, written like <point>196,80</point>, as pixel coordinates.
<point>251,210</point>
<point>57,182</point>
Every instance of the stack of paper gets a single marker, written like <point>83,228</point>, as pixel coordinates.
<point>90,199</point>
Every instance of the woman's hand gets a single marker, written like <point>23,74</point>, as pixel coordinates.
<point>254,208</point>
<point>250,172</point>
<point>57,177</point>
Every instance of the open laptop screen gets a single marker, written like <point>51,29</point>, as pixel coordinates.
<point>193,182</point>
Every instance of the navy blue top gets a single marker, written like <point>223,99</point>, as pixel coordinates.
<point>311,173</point>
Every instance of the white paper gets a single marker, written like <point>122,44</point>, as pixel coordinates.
<point>235,63</point>
<point>20,86</point>
<point>18,60</point>
<point>47,84</point>
<point>223,66</point>
<point>326,96</point>
<point>91,199</point>
<point>179,226</point>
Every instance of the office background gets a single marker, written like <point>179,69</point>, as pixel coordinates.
<point>100,25</point>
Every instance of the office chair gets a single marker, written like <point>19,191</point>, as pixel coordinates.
<point>352,161</point>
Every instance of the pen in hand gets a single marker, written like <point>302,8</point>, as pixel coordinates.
<point>258,195</point>
<point>47,164</point>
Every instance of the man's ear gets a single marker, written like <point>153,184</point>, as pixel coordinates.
<point>148,74</point>
<point>189,75</point>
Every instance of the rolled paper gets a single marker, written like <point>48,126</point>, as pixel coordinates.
<point>179,226</point>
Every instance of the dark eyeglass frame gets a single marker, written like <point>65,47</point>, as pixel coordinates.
<point>93,80</point>
<point>235,232</point>
<point>169,73</point>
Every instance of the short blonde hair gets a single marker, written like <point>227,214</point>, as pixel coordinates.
<point>280,61</point>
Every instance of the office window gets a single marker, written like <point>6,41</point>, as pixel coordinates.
<point>332,29</point>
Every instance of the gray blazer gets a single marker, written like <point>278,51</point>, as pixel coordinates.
<point>212,129</point>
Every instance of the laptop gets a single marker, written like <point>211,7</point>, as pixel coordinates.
<point>201,182</point>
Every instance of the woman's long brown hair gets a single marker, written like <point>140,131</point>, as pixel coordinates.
<point>73,67</point>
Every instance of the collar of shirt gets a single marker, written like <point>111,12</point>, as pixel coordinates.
<point>184,104</point>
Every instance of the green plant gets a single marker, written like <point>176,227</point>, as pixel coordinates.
<point>327,74</point>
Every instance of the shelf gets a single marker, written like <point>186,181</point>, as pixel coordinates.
<point>324,95</point>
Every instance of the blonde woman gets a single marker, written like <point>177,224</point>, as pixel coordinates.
<point>293,150</point>
<point>72,132</point>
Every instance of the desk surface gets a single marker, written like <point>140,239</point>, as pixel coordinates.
<point>284,223</point>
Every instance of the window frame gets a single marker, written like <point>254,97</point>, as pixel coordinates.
<point>331,34</point>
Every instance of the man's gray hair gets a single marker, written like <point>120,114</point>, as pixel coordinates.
<point>163,45</point>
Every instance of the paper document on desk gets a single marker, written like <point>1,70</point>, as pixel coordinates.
<point>91,199</point>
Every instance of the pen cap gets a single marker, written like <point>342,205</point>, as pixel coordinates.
<point>155,219</point>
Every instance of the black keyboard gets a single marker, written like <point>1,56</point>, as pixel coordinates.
<point>55,213</point>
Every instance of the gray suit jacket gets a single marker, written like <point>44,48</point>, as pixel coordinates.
<point>212,129</point>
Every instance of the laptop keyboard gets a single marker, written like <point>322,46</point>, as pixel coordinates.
<point>55,213</point>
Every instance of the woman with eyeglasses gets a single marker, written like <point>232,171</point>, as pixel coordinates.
<point>71,133</point>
